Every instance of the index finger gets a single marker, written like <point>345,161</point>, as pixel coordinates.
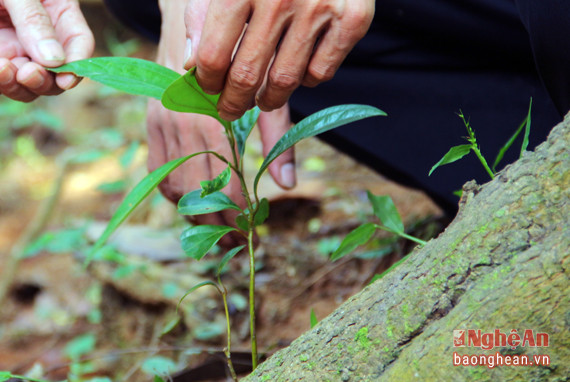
<point>219,37</point>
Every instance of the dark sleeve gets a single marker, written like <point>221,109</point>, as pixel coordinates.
<point>548,25</point>
<point>142,16</point>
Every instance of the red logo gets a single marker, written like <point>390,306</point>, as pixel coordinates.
<point>459,338</point>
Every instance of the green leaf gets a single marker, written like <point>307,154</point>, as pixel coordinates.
<point>198,240</point>
<point>131,75</point>
<point>358,236</point>
<point>112,187</point>
<point>243,126</point>
<point>455,153</point>
<point>158,365</point>
<point>242,223</point>
<point>5,375</point>
<point>507,145</point>
<point>134,198</point>
<point>216,184</point>
<point>66,240</point>
<point>526,130</point>
<point>193,204</point>
<point>317,123</point>
<point>525,124</point>
<point>197,286</point>
<point>185,95</point>
<point>89,156</point>
<point>158,379</point>
<point>386,211</point>
<point>170,325</point>
<point>80,346</point>
<point>314,320</point>
<point>127,157</point>
<point>262,212</point>
<point>227,257</point>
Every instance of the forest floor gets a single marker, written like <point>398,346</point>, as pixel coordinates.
<point>109,320</point>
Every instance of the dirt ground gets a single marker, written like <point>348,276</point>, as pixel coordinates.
<point>124,305</point>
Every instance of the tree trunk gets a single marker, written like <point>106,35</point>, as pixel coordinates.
<point>502,264</point>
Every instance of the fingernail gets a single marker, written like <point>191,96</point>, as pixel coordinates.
<point>187,53</point>
<point>288,179</point>
<point>6,76</point>
<point>51,50</point>
<point>66,81</point>
<point>33,81</point>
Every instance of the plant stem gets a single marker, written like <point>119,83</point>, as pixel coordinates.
<point>253,332</point>
<point>238,168</point>
<point>228,350</point>
<point>483,161</point>
<point>413,238</point>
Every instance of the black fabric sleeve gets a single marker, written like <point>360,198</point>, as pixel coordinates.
<point>548,26</point>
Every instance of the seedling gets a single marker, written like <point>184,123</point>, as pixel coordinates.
<point>386,211</point>
<point>183,94</point>
<point>457,152</point>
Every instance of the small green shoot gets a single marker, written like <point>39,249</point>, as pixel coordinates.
<point>386,211</point>
<point>314,320</point>
<point>526,125</point>
<point>457,152</point>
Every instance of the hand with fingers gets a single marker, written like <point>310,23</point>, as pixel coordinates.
<point>172,135</point>
<point>35,34</point>
<point>284,44</point>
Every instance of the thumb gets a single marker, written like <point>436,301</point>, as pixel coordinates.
<point>35,31</point>
<point>272,126</point>
<point>194,18</point>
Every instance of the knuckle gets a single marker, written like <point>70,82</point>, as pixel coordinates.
<point>231,108</point>
<point>284,80</point>
<point>356,23</point>
<point>209,62</point>
<point>243,76</point>
<point>35,16</point>
<point>320,73</point>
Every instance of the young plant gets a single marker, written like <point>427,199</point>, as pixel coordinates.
<point>183,94</point>
<point>385,210</point>
<point>457,152</point>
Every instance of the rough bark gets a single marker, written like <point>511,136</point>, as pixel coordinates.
<point>502,264</point>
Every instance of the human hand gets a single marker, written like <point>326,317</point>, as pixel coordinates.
<point>285,43</point>
<point>172,135</point>
<point>35,34</point>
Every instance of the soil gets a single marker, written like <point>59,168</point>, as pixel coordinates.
<point>53,299</point>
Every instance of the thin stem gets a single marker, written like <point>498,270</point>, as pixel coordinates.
<point>483,161</point>
<point>238,168</point>
<point>402,234</point>
<point>228,349</point>
<point>413,238</point>
<point>253,332</point>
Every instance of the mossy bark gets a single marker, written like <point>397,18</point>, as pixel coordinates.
<point>503,263</point>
